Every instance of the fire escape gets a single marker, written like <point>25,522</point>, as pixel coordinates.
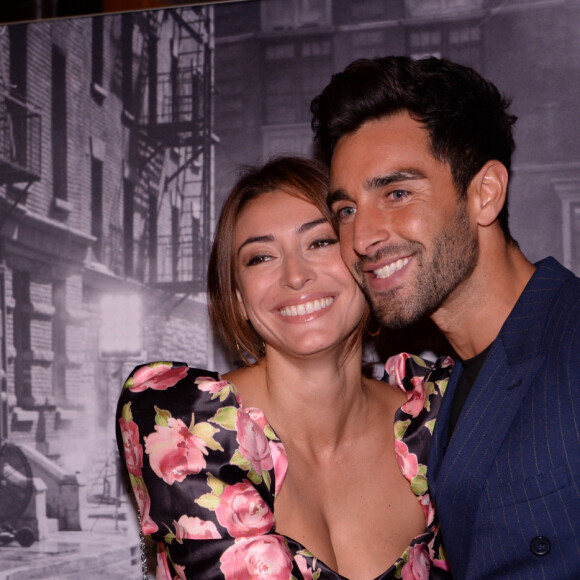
<point>19,141</point>
<point>178,119</point>
<point>20,127</point>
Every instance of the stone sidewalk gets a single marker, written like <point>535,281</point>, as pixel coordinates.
<point>107,548</point>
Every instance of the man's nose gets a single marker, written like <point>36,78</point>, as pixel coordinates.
<point>370,229</point>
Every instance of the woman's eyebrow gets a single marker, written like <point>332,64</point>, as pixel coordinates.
<point>309,225</point>
<point>269,238</point>
<point>255,240</point>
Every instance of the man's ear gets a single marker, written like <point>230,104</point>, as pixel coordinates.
<point>241,304</point>
<point>490,189</point>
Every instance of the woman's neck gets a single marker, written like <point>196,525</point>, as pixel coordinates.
<point>308,399</point>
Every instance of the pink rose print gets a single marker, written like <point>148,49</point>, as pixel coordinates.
<point>395,368</point>
<point>243,511</point>
<point>280,460</point>
<point>194,528</point>
<point>427,506</point>
<point>258,417</point>
<point>210,385</point>
<point>180,570</point>
<point>148,526</point>
<point>417,568</point>
<point>162,572</point>
<point>443,564</point>
<point>159,378</point>
<point>415,398</point>
<point>303,566</point>
<point>174,452</point>
<point>259,557</point>
<point>408,463</point>
<point>131,446</point>
<point>253,443</point>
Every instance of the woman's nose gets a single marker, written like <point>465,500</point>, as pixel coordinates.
<point>296,272</point>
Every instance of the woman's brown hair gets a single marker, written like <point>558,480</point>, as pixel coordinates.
<point>293,175</point>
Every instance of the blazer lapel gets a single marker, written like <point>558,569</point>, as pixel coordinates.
<point>458,469</point>
<point>440,435</point>
<point>489,411</point>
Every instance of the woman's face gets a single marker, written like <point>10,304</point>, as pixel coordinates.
<point>293,285</point>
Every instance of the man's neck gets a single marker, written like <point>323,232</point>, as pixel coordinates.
<point>473,315</point>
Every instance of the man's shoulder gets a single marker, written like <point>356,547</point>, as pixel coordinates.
<point>558,285</point>
<point>549,268</point>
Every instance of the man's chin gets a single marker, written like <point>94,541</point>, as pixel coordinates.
<point>393,315</point>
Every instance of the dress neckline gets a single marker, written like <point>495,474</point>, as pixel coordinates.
<point>265,423</point>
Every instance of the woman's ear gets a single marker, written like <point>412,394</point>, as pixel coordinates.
<point>490,185</point>
<point>241,304</point>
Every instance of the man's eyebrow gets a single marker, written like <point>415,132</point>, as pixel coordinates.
<point>377,183</point>
<point>393,177</point>
<point>305,227</point>
<point>336,195</point>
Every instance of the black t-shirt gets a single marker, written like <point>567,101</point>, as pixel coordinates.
<point>471,368</point>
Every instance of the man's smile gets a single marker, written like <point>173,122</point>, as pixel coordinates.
<point>390,269</point>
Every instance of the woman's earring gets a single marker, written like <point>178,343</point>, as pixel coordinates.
<point>376,332</point>
<point>244,359</point>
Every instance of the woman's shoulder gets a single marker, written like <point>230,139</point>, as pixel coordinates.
<point>162,375</point>
<point>177,388</point>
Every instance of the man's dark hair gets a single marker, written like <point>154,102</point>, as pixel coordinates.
<point>465,115</point>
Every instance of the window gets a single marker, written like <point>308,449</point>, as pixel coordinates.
<point>97,206</point>
<point>127,63</point>
<point>568,190</point>
<point>295,73</point>
<point>22,338</point>
<point>19,141</point>
<point>128,215</point>
<point>18,35</point>
<point>367,44</point>
<point>152,250</point>
<point>460,43</point>
<point>98,57</point>
<point>59,124</point>
<point>281,14</point>
<point>174,243</point>
<point>424,8</point>
<point>369,10</point>
<point>59,340</point>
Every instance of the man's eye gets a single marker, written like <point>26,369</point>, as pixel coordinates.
<point>399,194</point>
<point>345,213</point>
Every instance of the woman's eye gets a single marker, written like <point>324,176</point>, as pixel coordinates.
<point>254,260</point>
<point>323,243</point>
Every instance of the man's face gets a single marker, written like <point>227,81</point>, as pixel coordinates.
<point>405,234</point>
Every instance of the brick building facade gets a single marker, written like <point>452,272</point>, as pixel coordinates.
<point>106,206</point>
<point>273,56</point>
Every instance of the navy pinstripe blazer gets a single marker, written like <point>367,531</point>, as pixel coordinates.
<point>507,485</point>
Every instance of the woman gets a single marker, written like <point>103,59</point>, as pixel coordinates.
<point>289,467</point>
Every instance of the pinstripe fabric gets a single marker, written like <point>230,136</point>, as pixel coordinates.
<point>509,473</point>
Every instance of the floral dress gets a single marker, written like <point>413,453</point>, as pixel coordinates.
<point>205,471</point>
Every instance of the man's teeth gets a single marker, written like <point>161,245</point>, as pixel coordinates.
<point>391,268</point>
<point>306,308</point>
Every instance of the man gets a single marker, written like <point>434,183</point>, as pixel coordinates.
<point>420,155</point>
